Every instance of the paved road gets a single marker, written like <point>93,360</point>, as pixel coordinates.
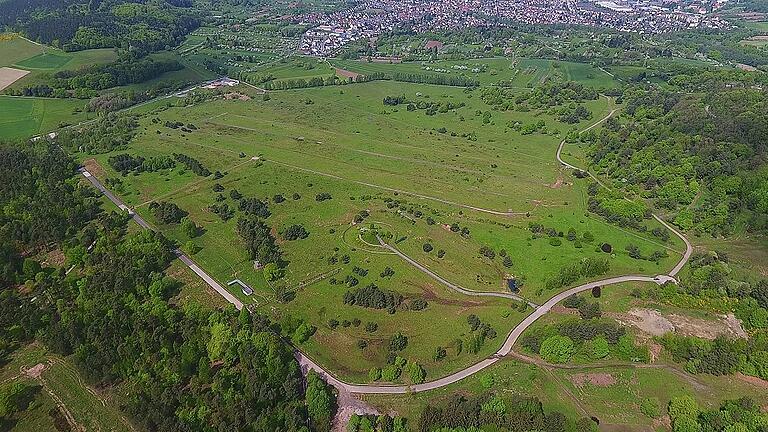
<point>179,254</point>
<point>307,363</point>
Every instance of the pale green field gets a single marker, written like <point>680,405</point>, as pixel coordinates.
<point>22,117</point>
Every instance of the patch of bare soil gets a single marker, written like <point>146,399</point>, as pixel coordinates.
<point>55,258</point>
<point>654,350</point>
<point>9,76</point>
<point>236,96</point>
<point>94,168</point>
<point>562,310</point>
<point>348,405</point>
<point>558,183</point>
<point>755,381</point>
<point>347,74</point>
<point>599,379</point>
<point>35,371</point>
<point>655,323</point>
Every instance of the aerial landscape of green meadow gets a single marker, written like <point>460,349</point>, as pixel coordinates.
<point>223,224</point>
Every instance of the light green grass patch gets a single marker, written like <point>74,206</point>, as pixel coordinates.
<point>45,60</point>
<point>26,117</point>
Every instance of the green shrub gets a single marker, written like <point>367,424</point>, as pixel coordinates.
<point>557,349</point>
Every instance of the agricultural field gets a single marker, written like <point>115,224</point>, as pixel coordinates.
<point>40,60</point>
<point>413,175</point>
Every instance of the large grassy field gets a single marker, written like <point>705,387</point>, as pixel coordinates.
<point>344,141</point>
<point>523,72</point>
<point>22,117</point>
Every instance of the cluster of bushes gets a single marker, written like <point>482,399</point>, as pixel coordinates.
<point>636,253</point>
<point>255,207</point>
<point>398,369</point>
<point>613,206</point>
<point>108,133</point>
<point>480,332</point>
<point>125,163</point>
<point>518,414</point>
<point>192,164</point>
<point>295,232</point>
<point>442,79</point>
<point>573,113</point>
<point>721,356</point>
<point>587,267</point>
<point>167,212</point>
<point>742,414</point>
<point>323,196</point>
<point>539,230</point>
<point>594,339</point>
<point>587,310</point>
<point>528,128</point>
<point>555,93</point>
<point>371,296</point>
<point>258,239</point>
<point>380,423</point>
<point>222,210</point>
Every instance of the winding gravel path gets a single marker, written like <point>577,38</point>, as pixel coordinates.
<point>307,363</point>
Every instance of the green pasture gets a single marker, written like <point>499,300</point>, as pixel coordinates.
<point>26,117</point>
<point>342,140</point>
<point>761,26</point>
<point>14,49</point>
<point>45,61</point>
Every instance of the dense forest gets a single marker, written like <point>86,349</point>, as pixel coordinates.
<point>700,157</point>
<point>73,25</point>
<point>186,368</point>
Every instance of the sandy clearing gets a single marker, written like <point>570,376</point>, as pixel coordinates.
<point>347,74</point>
<point>655,323</point>
<point>9,76</point>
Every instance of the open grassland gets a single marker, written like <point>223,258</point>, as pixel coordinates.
<point>761,26</point>
<point>14,49</point>
<point>345,142</point>
<point>523,72</point>
<point>61,392</point>
<point>22,117</point>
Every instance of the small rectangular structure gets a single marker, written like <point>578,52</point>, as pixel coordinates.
<point>243,286</point>
<point>9,76</point>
